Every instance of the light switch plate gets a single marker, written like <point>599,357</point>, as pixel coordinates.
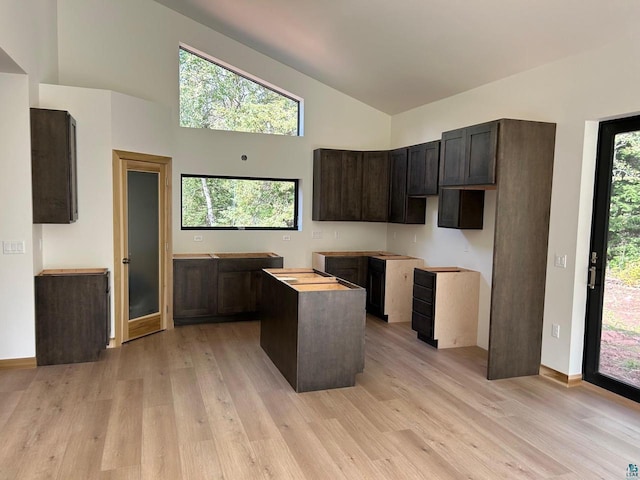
<point>13,247</point>
<point>560,261</point>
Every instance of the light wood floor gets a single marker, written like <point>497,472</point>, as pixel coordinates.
<point>204,402</point>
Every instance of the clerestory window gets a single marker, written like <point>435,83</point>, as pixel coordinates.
<point>217,96</point>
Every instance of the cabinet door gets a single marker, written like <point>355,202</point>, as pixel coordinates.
<point>376,287</point>
<point>452,158</point>
<point>53,166</point>
<point>398,186</point>
<point>480,154</point>
<point>234,293</point>
<point>337,185</point>
<point>422,178</point>
<point>194,288</point>
<point>463,209</point>
<point>375,187</point>
<point>351,269</point>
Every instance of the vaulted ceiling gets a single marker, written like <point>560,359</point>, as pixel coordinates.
<point>397,55</point>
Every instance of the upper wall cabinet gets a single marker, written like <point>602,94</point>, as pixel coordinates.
<point>469,156</point>
<point>337,185</point>
<point>422,176</point>
<point>375,186</point>
<point>53,166</point>
<point>402,208</point>
<point>350,186</point>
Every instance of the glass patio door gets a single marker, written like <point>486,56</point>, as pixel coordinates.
<point>612,341</point>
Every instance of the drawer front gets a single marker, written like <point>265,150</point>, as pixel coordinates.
<point>422,324</point>
<point>424,278</point>
<point>423,293</point>
<point>423,308</point>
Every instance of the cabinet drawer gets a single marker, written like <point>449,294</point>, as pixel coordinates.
<point>423,293</point>
<point>424,278</point>
<point>424,308</point>
<point>422,324</point>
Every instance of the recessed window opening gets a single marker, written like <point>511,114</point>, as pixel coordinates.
<point>216,95</point>
<point>239,203</point>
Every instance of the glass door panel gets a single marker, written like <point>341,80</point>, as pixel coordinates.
<point>144,249</point>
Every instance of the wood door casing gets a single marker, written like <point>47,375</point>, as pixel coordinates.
<point>122,163</point>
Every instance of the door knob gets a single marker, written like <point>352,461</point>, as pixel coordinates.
<point>126,260</point>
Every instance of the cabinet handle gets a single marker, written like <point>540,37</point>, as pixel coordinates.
<point>592,278</point>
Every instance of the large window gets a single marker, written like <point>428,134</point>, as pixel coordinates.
<point>215,95</point>
<point>216,202</point>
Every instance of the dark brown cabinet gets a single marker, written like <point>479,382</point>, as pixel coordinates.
<point>422,315</point>
<point>469,156</point>
<point>337,185</point>
<point>376,281</point>
<point>463,209</point>
<point>422,175</point>
<point>352,269</point>
<point>194,287</point>
<point>73,315</point>
<point>53,166</point>
<point>402,208</point>
<point>375,186</point>
<point>350,186</point>
<point>218,285</point>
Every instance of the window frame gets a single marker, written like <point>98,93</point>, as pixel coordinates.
<point>251,78</point>
<point>296,201</point>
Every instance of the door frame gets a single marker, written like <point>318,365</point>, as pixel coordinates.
<point>121,160</point>
<point>598,246</point>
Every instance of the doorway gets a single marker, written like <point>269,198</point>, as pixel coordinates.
<point>142,244</point>
<point>612,338</point>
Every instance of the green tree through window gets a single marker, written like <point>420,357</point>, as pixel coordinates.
<point>238,203</point>
<point>212,96</point>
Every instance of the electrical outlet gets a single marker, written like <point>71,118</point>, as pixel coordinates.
<point>286,237</point>
<point>555,330</point>
<point>197,238</point>
<point>316,235</point>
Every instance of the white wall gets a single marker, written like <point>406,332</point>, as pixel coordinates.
<point>140,58</point>
<point>16,271</point>
<point>574,93</point>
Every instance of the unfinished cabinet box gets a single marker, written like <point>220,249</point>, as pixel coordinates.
<point>445,306</point>
<point>72,315</point>
<point>53,166</point>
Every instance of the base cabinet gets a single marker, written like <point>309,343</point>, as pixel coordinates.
<point>207,287</point>
<point>73,315</point>
<point>194,287</point>
<point>445,306</point>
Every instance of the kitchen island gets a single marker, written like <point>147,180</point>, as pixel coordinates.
<point>312,328</point>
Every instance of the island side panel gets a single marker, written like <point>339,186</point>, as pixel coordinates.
<point>398,298</point>
<point>456,315</point>
<point>331,328</point>
<point>279,326</point>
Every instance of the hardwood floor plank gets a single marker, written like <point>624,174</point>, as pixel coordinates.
<point>83,455</point>
<point>191,416</point>
<point>123,442</point>
<point>160,452</point>
<point>275,460</point>
<point>200,460</point>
